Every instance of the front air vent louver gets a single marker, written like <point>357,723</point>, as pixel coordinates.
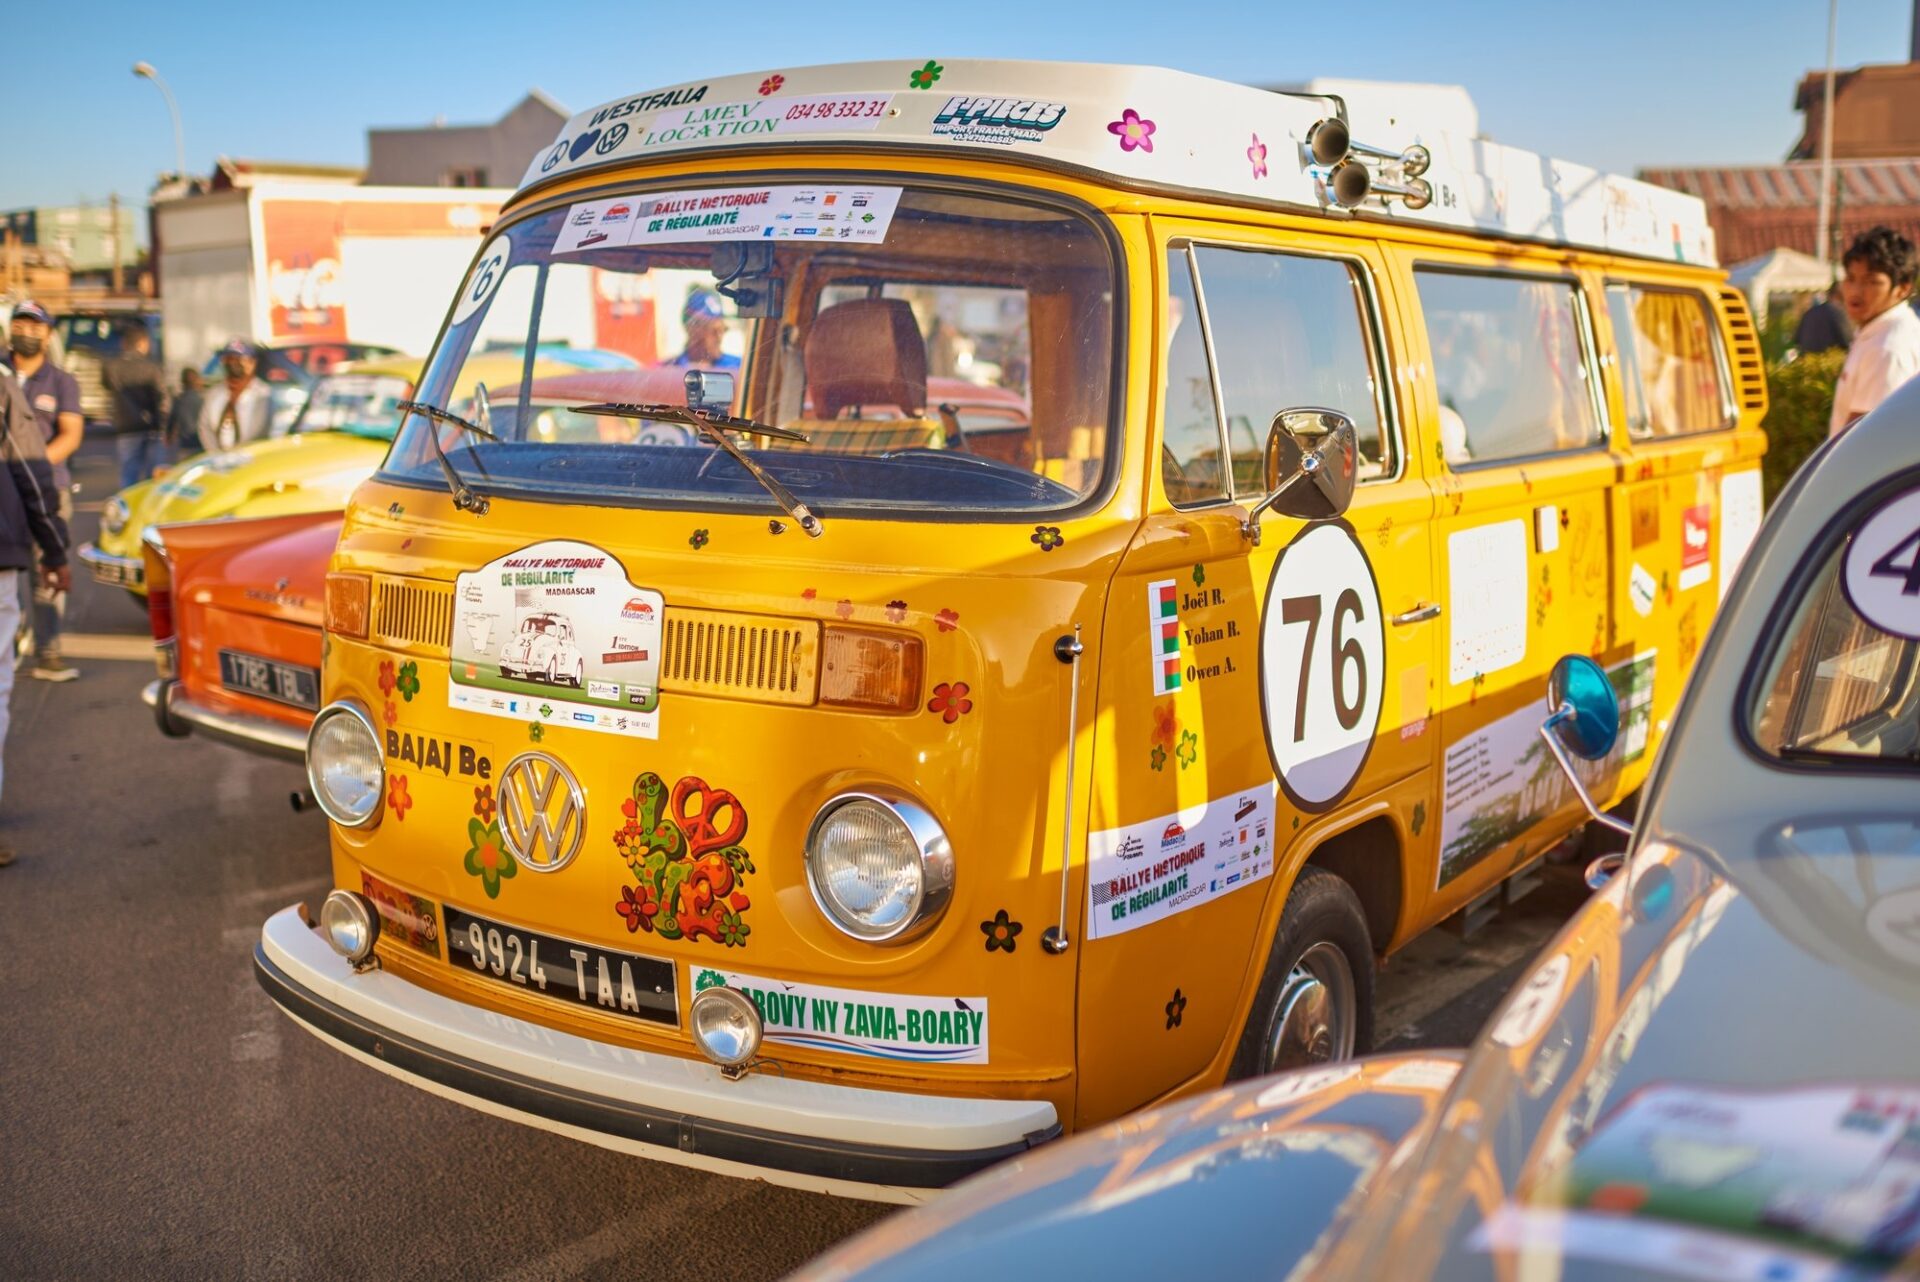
<point>412,614</point>
<point>740,656</point>
<point>1749,370</point>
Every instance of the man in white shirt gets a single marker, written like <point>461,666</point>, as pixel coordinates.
<point>236,410</point>
<point>1880,269</point>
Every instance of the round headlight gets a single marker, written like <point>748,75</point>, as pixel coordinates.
<point>344,768</point>
<point>726,1026</point>
<point>879,867</point>
<point>350,925</point>
<point>115,515</point>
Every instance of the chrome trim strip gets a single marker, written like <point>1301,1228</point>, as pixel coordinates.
<point>254,734</point>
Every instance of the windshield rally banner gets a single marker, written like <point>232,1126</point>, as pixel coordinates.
<point>556,634</point>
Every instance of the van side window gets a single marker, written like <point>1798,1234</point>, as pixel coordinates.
<point>1289,331</point>
<point>1190,464</point>
<point>1670,366</point>
<point>1509,365</point>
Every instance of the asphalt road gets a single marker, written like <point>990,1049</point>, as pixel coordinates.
<point>159,1118</point>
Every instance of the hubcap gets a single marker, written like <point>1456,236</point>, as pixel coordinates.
<point>1316,1016</point>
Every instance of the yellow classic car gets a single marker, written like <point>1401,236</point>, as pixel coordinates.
<point>338,440</point>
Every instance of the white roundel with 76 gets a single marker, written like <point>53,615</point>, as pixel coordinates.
<point>1322,664</point>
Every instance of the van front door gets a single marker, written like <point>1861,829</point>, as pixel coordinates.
<point>1226,660</point>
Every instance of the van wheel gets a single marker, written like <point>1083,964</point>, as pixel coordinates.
<point>1315,1002</point>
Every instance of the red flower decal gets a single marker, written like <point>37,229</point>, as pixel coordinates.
<point>947,620</point>
<point>1164,724</point>
<point>771,85</point>
<point>896,611</point>
<point>638,906</point>
<point>950,702</point>
<point>808,594</point>
<point>392,713</point>
<point>387,677</point>
<point>483,802</point>
<point>843,608</point>
<point>397,797</point>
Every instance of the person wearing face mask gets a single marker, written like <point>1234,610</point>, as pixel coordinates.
<point>236,409</point>
<point>54,397</point>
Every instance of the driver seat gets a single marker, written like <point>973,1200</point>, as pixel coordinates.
<point>866,381</point>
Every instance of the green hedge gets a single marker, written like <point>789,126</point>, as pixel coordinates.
<point>1799,401</point>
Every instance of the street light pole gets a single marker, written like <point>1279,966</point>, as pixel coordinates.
<point>1824,249</point>
<point>146,72</point>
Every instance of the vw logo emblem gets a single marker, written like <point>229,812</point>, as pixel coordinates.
<point>543,813</point>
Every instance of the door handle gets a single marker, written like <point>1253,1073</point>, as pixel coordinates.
<point>1419,614</point>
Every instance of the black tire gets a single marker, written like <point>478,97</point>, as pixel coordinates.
<point>1321,908</point>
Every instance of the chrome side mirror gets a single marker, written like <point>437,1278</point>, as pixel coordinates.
<point>709,389</point>
<point>1583,718</point>
<point>1317,446</point>
<point>482,410</point>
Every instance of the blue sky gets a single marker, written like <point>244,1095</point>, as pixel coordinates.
<point>1619,84</point>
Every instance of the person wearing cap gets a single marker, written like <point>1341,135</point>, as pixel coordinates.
<point>706,322</point>
<point>29,520</point>
<point>54,396</point>
<point>139,390</point>
<point>235,410</point>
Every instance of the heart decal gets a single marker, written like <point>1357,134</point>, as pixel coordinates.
<point>583,144</point>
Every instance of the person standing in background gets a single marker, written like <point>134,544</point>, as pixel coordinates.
<point>28,516</point>
<point>183,420</point>
<point>1881,266</point>
<point>238,408</point>
<point>1823,326</point>
<point>54,397</point>
<point>139,391</point>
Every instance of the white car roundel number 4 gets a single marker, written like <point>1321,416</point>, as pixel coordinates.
<point>1882,574</point>
<point>1322,664</point>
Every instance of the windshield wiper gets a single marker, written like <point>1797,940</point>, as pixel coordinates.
<point>715,427</point>
<point>465,497</point>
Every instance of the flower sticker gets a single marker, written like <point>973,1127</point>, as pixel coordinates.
<point>950,702</point>
<point>391,712</point>
<point>1257,157</point>
<point>536,732</point>
<point>896,612</point>
<point>1176,1008</point>
<point>1048,537</point>
<point>397,796</point>
<point>483,802</point>
<point>697,540</point>
<point>488,857</point>
<point>771,85</point>
<point>925,76</point>
<point>638,906</point>
<point>1199,575</point>
<point>1134,131</point>
<point>1000,932</point>
<point>1158,756</point>
<point>808,594</point>
<point>844,608</point>
<point>947,620</point>
<point>1189,749</point>
<point>408,683</point>
<point>733,931</point>
<point>386,677</point>
<point>1165,724</point>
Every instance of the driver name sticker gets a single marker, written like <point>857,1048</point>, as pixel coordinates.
<point>483,279</point>
<point>1144,872</point>
<point>1322,664</point>
<point>1882,573</point>
<point>556,634</point>
<point>857,214</point>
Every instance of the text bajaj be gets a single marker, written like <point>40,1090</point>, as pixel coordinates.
<point>1091,596</point>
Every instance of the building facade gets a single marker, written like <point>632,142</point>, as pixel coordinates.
<point>441,155</point>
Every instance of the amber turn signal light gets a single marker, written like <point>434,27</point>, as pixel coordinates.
<point>349,598</point>
<point>862,668</point>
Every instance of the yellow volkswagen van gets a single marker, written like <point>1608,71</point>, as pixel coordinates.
<point>1071,592</point>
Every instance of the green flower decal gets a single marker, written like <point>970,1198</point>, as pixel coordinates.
<point>1199,575</point>
<point>697,540</point>
<point>487,856</point>
<point>536,732</point>
<point>733,931</point>
<point>1159,756</point>
<point>409,682</point>
<point>925,76</point>
<point>1189,749</point>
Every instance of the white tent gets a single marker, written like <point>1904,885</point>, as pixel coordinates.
<point>1778,271</point>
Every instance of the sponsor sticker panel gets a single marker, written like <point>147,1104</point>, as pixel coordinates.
<point>1149,871</point>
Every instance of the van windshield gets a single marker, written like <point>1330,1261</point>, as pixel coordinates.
<point>941,351</point>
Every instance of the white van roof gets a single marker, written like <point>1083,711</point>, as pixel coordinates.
<point>1139,126</point>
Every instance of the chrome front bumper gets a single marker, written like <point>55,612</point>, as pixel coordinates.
<point>119,571</point>
<point>847,1140</point>
<point>177,714</point>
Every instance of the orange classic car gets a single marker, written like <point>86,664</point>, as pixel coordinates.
<point>236,611</point>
